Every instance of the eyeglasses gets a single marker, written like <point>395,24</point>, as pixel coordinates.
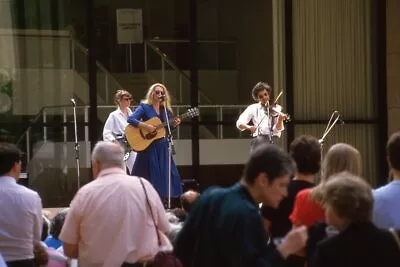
<point>261,96</point>
<point>157,92</point>
<point>127,98</point>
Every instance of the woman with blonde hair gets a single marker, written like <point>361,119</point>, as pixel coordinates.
<point>152,163</point>
<point>116,123</point>
<point>307,208</point>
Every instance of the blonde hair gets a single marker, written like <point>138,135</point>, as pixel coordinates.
<point>149,96</point>
<point>340,157</point>
<point>119,95</point>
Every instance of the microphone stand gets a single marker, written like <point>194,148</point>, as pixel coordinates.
<point>328,128</point>
<point>76,146</point>
<point>171,150</point>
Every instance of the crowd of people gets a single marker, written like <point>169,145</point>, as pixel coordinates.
<point>288,209</point>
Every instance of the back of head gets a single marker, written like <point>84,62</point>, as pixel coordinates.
<point>349,196</point>
<point>341,157</point>
<point>9,155</point>
<point>108,155</point>
<point>268,159</point>
<point>45,228</point>
<point>393,151</point>
<point>306,152</point>
<point>57,223</point>
<point>188,198</point>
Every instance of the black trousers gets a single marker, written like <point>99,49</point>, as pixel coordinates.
<point>263,139</point>
<point>21,263</point>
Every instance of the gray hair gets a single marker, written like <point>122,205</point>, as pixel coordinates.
<point>108,155</point>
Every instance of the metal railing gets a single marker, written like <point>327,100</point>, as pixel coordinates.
<point>109,84</point>
<point>181,76</point>
<point>209,115</point>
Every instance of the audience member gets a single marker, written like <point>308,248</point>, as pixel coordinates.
<point>225,227</point>
<point>387,198</point>
<point>348,205</point>
<point>57,223</point>
<point>108,223</point>
<point>188,199</point>
<point>306,152</point>
<point>21,211</point>
<point>54,258</point>
<point>307,208</point>
<point>45,229</point>
<point>2,262</point>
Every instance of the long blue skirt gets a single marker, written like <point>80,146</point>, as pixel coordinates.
<point>152,164</point>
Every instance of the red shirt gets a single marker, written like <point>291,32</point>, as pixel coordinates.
<point>306,211</point>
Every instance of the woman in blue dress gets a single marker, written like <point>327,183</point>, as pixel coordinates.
<point>152,163</point>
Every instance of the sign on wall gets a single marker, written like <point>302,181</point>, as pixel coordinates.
<point>129,26</point>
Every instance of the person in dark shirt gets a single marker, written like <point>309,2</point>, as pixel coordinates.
<point>225,228</point>
<point>306,152</point>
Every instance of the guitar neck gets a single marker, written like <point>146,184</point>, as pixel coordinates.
<point>164,124</point>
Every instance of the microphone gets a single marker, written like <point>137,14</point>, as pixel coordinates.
<point>162,97</point>
<point>73,102</point>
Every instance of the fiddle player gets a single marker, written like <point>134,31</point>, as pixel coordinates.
<point>266,120</point>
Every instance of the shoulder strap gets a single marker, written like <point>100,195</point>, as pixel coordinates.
<point>395,236</point>
<point>151,210</point>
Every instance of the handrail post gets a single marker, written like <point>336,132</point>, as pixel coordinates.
<point>220,126</point>
<point>44,126</point>
<point>86,123</point>
<point>65,124</point>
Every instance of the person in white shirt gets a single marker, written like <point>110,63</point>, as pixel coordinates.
<point>2,262</point>
<point>266,120</point>
<point>109,223</point>
<point>115,125</point>
<point>20,211</point>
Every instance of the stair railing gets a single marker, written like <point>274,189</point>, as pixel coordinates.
<point>111,85</point>
<point>182,76</point>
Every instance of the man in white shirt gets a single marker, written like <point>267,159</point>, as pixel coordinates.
<point>267,121</point>
<point>109,223</point>
<point>20,211</point>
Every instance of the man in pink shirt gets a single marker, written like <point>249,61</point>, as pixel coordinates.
<point>109,223</point>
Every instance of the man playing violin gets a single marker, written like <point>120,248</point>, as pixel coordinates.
<point>266,119</point>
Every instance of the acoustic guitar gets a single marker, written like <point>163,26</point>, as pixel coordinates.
<point>140,139</point>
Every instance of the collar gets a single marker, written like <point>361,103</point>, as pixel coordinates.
<point>396,181</point>
<point>112,170</point>
<point>243,191</point>
<point>120,111</point>
<point>7,180</point>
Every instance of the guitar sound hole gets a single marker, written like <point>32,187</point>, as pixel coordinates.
<point>151,135</point>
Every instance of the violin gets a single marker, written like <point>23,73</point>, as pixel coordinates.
<point>276,110</point>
